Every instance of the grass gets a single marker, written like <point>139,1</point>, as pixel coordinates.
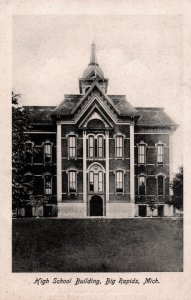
<point>97,245</point>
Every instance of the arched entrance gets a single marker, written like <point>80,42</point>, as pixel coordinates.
<point>96,206</point>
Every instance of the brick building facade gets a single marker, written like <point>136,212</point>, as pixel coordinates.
<point>98,155</point>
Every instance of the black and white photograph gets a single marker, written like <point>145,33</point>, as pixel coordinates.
<point>97,157</point>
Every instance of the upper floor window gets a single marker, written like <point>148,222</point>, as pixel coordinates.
<point>72,182</point>
<point>119,182</point>
<point>161,185</point>
<point>142,185</point>
<point>142,154</point>
<point>96,145</point>
<point>160,153</point>
<point>119,146</point>
<point>29,152</point>
<point>72,146</point>
<point>91,146</point>
<point>48,184</point>
<point>100,147</point>
<point>47,153</point>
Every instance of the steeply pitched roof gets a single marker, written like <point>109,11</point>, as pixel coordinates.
<point>123,106</point>
<point>70,101</point>
<point>154,116</point>
<point>66,106</point>
<point>149,116</point>
<point>40,114</point>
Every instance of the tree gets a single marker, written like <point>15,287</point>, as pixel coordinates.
<point>152,203</point>
<point>20,121</point>
<point>177,188</point>
<point>22,182</point>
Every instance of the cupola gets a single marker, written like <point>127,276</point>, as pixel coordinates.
<point>93,73</point>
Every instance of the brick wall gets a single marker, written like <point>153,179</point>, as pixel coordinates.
<point>114,163</point>
<point>38,168</point>
<point>151,169</point>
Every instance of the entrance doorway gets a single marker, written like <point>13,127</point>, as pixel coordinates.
<point>96,206</point>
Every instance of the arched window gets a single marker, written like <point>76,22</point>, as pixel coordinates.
<point>72,181</point>
<point>142,185</point>
<point>142,153</point>
<point>100,181</point>
<point>47,152</point>
<point>161,185</point>
<point>72,146</point>
<point>91,181</point>
<point>119,182</point>
<point>100,146</point>
<point>119,146</point>
<point>160,153</point>
<point>47,184</point>
<point>96,179</point>
<point>91,146</point>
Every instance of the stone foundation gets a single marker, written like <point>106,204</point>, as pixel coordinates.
<point>113,210</point>
<point>120,210</point>
<point>72,210</point>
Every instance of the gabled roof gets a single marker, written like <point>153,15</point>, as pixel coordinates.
<point>71,102</point>
<point>95,87</point>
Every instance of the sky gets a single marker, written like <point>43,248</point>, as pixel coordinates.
<point>141,56</point>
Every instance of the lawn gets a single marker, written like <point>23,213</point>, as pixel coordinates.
<point>97,245</point>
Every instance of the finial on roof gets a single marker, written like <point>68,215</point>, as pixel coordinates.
<point>93,59</point>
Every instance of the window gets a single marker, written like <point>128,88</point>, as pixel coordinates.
<point>91,147</point>
<point>72,146</point>
<point>91,181</point>
<point>100,147</point>
<point>29,152</point>
<point>96,182</point>
<point>119,182</point>
<point>160,210</point>
<point>48,184</point>
<point>142,185</point>
<point>72,182</point>
<point>142,154</point>
<point>160,154</point>
<point>142,210</point>
<point>119,147</point>
<point>100,181</point>
<point>47,153</point>
<point>161,185</point>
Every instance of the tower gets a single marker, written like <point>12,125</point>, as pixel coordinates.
<point>92,73</point>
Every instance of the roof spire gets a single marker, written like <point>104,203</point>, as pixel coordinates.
<point>93,59</point>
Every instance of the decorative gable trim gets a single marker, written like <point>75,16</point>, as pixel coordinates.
<point>100,116</point>
<point>80,104</point>
<point>112,116</point>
